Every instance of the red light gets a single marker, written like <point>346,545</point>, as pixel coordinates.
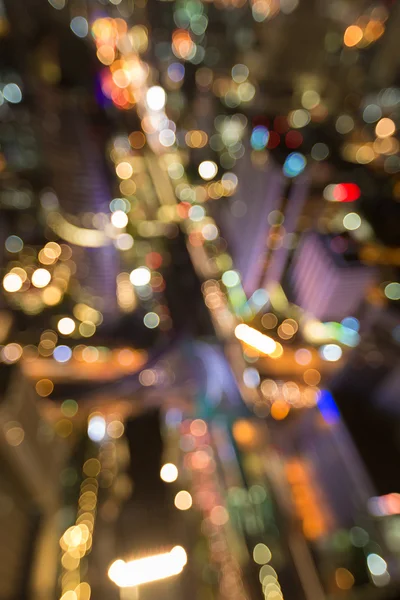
<point>293,139</point>
<point>281,124</point>
<point>273,140</point>
<point>261,121</point>
<point>346,192</point>
<point>154,260</point>
<point>183,209</point>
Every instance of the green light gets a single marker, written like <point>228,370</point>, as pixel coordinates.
<point>69,408</point>
<point>230,278</point>
<point>392,291</point>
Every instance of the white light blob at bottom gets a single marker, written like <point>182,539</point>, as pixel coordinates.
<point>148,569</point>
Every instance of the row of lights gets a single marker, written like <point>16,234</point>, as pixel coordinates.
<point>76,541</point>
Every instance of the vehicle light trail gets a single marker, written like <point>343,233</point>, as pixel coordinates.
<point>255,339</point>
<point>148,569</point>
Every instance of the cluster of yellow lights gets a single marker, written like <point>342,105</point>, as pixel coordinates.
<point>50,253</point>
<point>209,500</point>
<point>196,139</point>
<point>14,280</point>
<point>287,329</point>
<point>262,556</point>
<point>364,33</point>
<point>48,341</point>
<point>83,312</point>
<point>217,303</point>
<point>233,93</point>
<point>119,49</point>
<point>76,541</point>
<point>118,359</point>
<point>126,296</point>
<point>39,286</point>
<point>199,227</point>
<point>313,515</point>
<point>278,401</point>
<point>384,145</point>
<point>150,103</point>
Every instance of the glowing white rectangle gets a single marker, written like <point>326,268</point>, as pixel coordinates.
<point>255,338</point>
<point>148,569</point>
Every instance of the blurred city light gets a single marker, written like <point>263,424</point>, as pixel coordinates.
<point>96,428</point>
<point>156,98</point>
<point>200,234</point>
<point>66,325</point>
<point>140,276</point>
<point>183,500</point>
<point>208,170</point>
<point>169,473</point>
<point>150,568</point>
<point>327,407</point>
<point>255,338</point>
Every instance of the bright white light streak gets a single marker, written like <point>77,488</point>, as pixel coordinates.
<point>148,569</point>
<point>261,342</point>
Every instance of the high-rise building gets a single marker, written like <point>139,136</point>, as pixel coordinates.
<point>244,218</point>
<point>329,281</point>
<point>79,177</point>
<point>260,220</point>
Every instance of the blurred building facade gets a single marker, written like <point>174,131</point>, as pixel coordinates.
<point>30,459</point>
<point>329,283</point>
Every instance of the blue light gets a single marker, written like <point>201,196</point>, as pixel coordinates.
<point>79,26</point>
<point>327,407</point>
<point>14,244</point>
<point>349,337</point>
<point>176,72</point>
<point>351,323</point>
<point>259,137</point>
<point>120,204</point>
<point>294,164</point>
<point>62,354</point>
<point>251,378</point>
<point>12,93</point>
<point>173,417</point>
<point>260,297</point>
